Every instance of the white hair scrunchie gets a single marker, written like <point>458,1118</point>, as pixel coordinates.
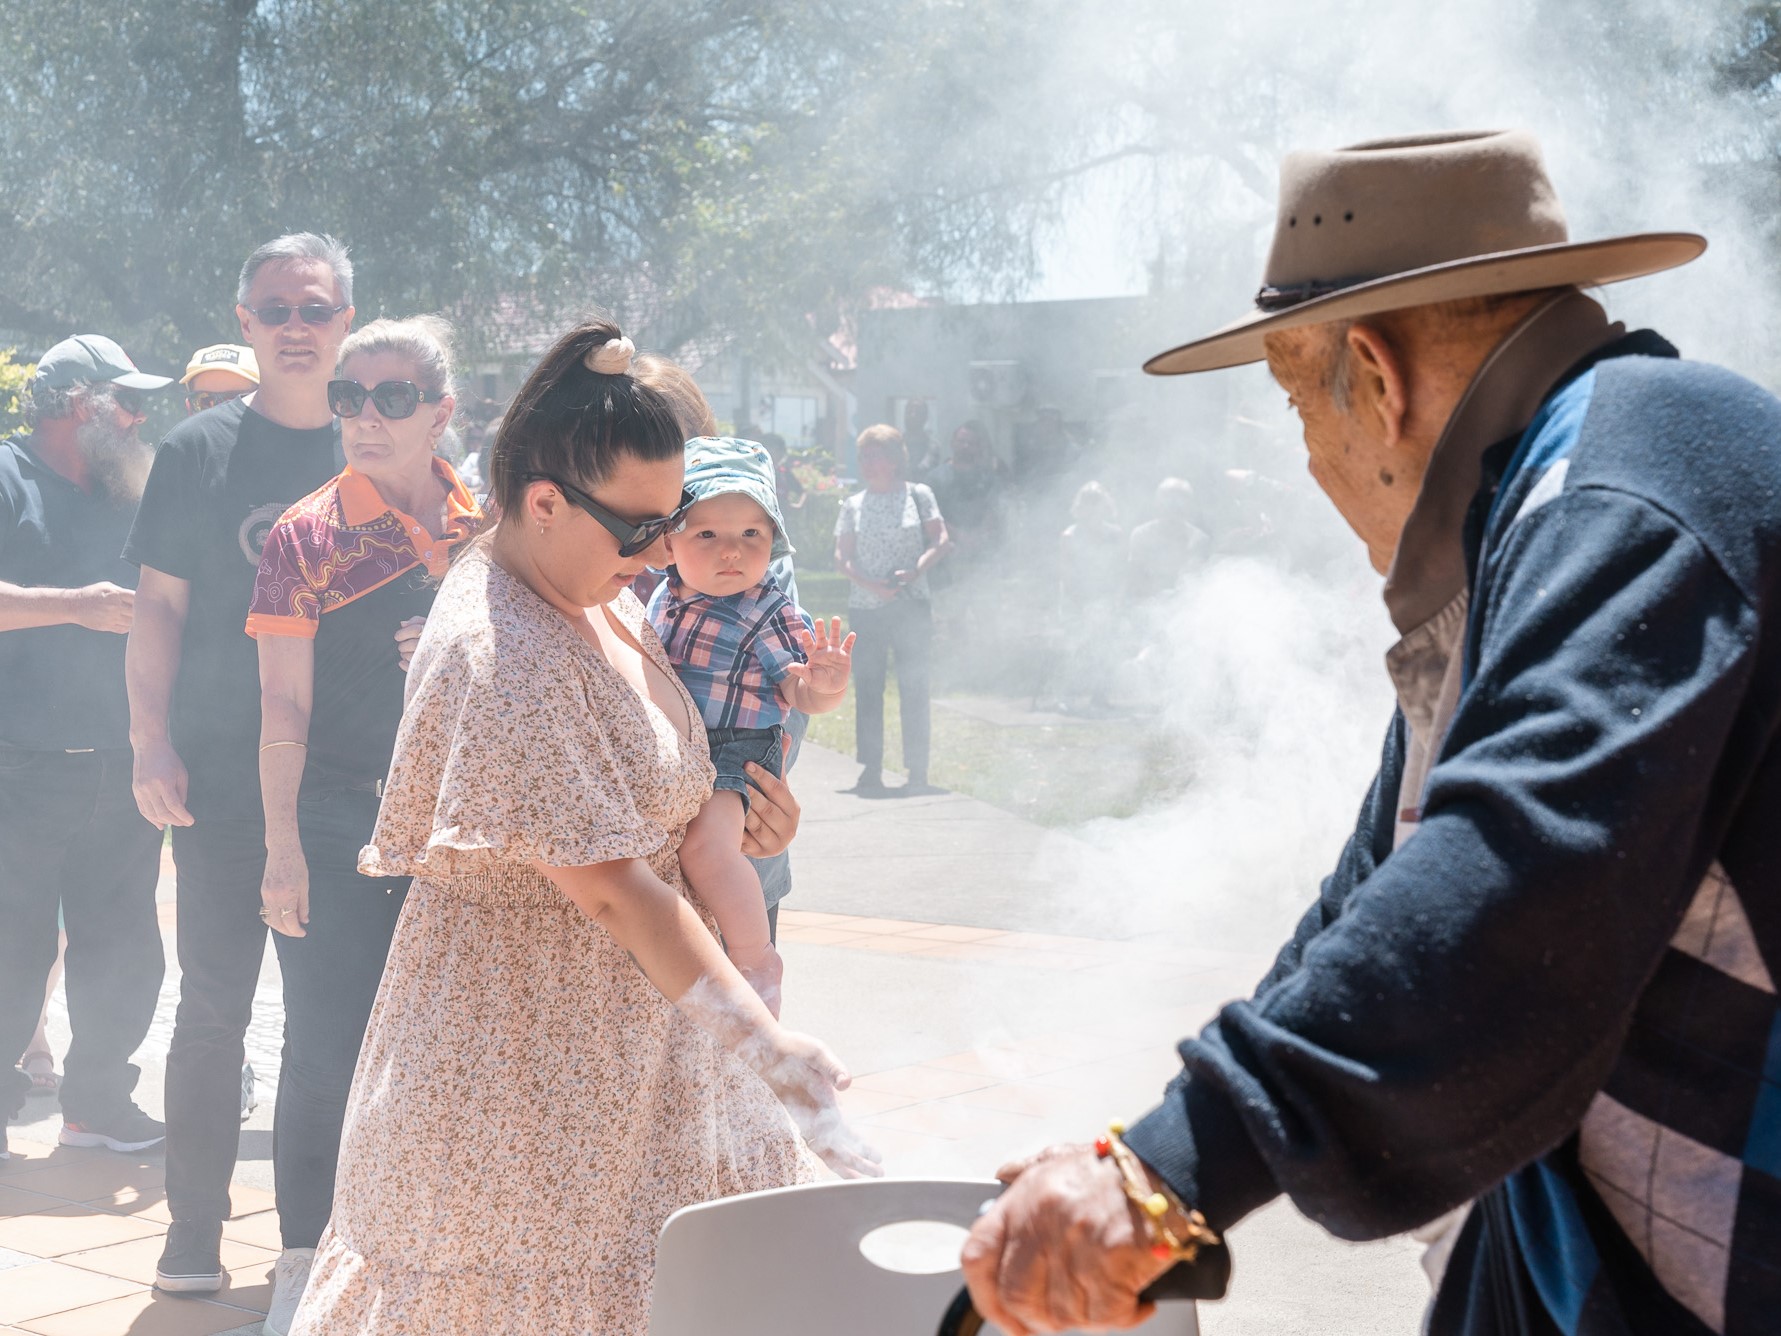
<point>612,358</point>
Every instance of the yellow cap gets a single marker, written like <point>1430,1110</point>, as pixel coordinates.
<point>230,357</point>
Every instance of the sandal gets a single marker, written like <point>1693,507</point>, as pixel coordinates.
<point>40,1066</point>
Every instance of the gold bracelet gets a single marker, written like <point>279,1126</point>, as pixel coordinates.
<point>283,742</point>
<point>1176,1231</point>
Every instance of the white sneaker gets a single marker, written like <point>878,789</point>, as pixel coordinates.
<point>289,1278</point>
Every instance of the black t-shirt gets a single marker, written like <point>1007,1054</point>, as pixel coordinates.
<point>61,687</point>
<point>219,484</point>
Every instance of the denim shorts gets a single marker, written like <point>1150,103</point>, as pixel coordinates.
<point>733,748</point>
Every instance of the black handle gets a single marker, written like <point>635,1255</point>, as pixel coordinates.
<point>1206,1277</point>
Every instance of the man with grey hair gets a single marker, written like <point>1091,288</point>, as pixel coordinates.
<point>220,481</point>
<point>1534,1007</point>
<point>70,835</point>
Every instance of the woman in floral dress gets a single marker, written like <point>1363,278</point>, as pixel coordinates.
<point>560,1055</point>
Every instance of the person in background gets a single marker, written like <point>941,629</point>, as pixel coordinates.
<point>786,484</point>
<point>749,659</point>
<point>551,978</point>
<point>345,582</point>
<point>1091,576</point>
<point>692,411</point>
<point>918,440</point>
<point>972,488</point>
<point>220,482</point>
<point>71,840</point>
<point>887,539</point>
<point>218,374</point>
<point>1166,548</point>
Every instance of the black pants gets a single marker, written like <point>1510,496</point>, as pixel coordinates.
<point>904,627</point>
<point>330,980</point>
<point>70,834</point>
<point>221,940</point>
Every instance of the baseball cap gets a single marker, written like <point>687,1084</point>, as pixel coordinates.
<point>92,359</point>
<point>230,357</point>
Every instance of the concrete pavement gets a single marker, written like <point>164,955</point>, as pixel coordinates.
<point>930,941</point>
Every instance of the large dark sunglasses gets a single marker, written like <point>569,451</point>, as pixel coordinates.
<point>395,399</point>
<point>632,538</point>
<point>313,313</point>
<point>199,400</point>
<point>133,402</point>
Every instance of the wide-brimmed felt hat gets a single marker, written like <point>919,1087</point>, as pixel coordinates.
<point>1395,223</point>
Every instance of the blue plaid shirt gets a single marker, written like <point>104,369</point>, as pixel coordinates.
<point>731,652</point>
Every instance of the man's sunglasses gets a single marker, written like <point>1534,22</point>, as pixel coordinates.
<point>199,400</point>
<point>133,402</point>
<point>395,399</point>
<point>632,538</point>
<point>313,313</point>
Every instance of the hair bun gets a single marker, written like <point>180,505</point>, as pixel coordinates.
<point>612,358</point>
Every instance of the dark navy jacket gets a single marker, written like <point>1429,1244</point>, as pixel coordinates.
<point>1557,998</point>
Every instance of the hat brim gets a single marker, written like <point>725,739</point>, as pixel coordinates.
<point>1570,264</point>
<point>141,380</point>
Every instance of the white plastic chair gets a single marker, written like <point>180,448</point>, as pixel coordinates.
<point>788,1263</point>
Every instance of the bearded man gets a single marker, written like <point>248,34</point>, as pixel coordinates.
<point>1535,1002</point>
<point>70,834</point>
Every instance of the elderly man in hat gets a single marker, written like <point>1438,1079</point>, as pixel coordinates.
<point>70,835</point>
<point>1537,995</point>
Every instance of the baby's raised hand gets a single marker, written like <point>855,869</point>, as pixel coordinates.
<point>828,659</point>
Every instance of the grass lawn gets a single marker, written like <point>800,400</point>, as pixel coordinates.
<point>1052,774</point>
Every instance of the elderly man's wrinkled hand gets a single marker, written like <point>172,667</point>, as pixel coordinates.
<point>1060,1249</point>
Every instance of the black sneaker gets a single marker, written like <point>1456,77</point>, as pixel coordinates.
<point>192,1262</point>
<point>126,1130</point>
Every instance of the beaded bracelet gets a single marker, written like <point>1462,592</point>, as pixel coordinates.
<point>1176,1230</point>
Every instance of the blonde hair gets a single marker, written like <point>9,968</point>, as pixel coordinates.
<point>424,340</point>
<point>887,438</point>
<point>676,384</point>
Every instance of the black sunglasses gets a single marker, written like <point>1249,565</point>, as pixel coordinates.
<point>395,399</point>
<point>199,400</point>
<point>313,313</point>
<point>632,538</point>
<point>131,401</point>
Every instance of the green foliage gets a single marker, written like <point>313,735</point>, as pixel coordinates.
<point>14,378</point>
<point>699,167</point>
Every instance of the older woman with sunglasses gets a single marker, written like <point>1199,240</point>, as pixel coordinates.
<point>548,764</point>
<point>344,576</point>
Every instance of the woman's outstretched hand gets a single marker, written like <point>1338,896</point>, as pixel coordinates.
<point>806,1076</point>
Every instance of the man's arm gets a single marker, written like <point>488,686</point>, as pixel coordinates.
<point>98,607</point>
<point>151,663</point>
<point>1455,1020</point>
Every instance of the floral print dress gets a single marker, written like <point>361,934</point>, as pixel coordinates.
<point>528,1110</point>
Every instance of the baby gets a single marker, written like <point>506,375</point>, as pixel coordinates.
<point>748,657</point>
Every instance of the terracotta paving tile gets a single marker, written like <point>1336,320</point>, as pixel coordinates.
<point>144,1313</point>
<point>1084,1045</point>
<point>950,932</point>
<point>64,1229</point>
<point>1049,941</point>
<point>953,1121</point>
<point>1033,1101</point>
<point>27,1292</point>
<point>259,1229</point>
<point>27,1157</point>
<point>908,1154</point>
<point>882,925</point>
<point>15,1200</point>
<point>135,1260</point>
<point>887,944</point>
<point>822,937</point>
<point>810,918</point>
<point>977,952</point>
<point>92,1177</point>
<point>858,1102</point>
<point>143,1204</point>
<point>922,1082</point>
<point>1004,1064</point>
